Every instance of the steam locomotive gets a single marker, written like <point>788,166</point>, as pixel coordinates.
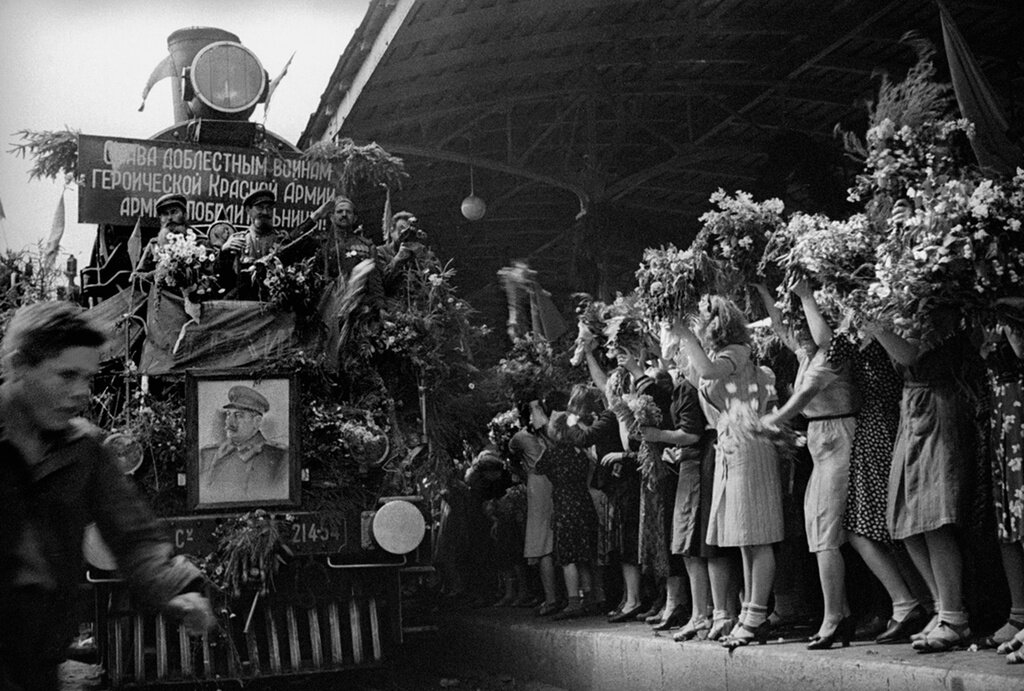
<point>338,603</point>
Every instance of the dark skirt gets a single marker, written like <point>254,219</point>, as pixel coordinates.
<point>625,521</point>
<point>693,504</point>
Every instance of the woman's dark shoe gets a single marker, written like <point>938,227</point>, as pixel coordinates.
<point>900,631</point>
<point>573,610</point>
<point>625,615</point>
<point>549,608</point>
<point>676,618</point>
<point>528,601</point>
<point>842,633</point>
<point>744,634</point>
<point>654,613</point>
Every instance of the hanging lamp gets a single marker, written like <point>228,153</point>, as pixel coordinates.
<point>473,207</point>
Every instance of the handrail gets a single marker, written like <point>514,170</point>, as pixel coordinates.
<point>90,579</point>
<point>366,566</point>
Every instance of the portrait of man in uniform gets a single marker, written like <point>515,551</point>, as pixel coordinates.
<point>242,431</point>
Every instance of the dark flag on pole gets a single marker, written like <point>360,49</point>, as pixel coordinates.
<point>992,144</point>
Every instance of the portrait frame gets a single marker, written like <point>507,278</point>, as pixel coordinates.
<point>265,469</point>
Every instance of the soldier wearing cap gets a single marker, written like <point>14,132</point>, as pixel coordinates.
<point>172,210</point>
<point>245,466</point>
<point>242,249</point>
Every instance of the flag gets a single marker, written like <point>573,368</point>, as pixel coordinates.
<point>164,69</point>
<point>2,214</point>
<point>272,87</point>
<point>996,152</point>
<point>56,233</point>
<point>135,244</point>
<point>387,222</point>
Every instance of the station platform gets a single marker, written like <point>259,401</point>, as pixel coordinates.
<point>589,653</point>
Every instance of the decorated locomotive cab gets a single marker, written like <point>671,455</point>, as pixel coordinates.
<point>271,378</point>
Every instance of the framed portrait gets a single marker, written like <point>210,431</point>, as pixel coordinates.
<point>243,440</point>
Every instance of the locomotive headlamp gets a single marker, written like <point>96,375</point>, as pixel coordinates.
<point>398,527</point>
<point>226,78</point>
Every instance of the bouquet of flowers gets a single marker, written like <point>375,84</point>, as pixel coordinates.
<point>296,287</point>
<point>502,427</point>
<point>183,264</point>
<point>625,328</point>
<point>250,549</point>
<point>403,334</point>
<point>530,369</point>
<point>590,316</point>
<point>671,281</point>
<point>836,256</point>
<point>365,441</point>
<point>996,212</point>
<point>735,238</point>
<point>639,411</point>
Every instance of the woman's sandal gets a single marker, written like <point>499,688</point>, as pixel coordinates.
<point>993,642</point>
<point>928,628</point>
<point>697,627</point>
<point>1012,645</point>
<point>720,628</point>
<point>944,637</point>
<point>738,638</point>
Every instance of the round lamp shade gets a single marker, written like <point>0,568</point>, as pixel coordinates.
<point>227,77</point>
<point>398,527</point>
<point>126,450</point>
<point>473,208</point>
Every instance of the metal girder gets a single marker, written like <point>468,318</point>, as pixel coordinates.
<point>625,185</point>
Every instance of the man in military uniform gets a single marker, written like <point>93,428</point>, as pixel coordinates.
<point>245,467</point>
<point>240,251</point>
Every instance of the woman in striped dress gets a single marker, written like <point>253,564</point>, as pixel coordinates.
<point>746,505</point>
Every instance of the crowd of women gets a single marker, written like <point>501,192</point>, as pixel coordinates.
<point>706,497</point>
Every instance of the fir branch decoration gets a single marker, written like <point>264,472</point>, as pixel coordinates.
<point>357,165</point>
<point>55,153</point>
<point>918,98</point>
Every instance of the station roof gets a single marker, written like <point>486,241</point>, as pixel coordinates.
<point>595,128</point>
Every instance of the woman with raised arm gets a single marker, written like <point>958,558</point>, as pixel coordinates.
<point>526,447</point>
<point>689,440</point>
<point>928,465</point>
<point>575,519</point>
<point>746,505</point>
<point>624,492</point>
<point>870,458</point>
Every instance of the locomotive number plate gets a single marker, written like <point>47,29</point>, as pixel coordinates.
<point>310,533</point>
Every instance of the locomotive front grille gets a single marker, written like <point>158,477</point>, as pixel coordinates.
<point>287,639</point>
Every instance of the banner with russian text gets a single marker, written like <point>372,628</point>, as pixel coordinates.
<point>120,179</point>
